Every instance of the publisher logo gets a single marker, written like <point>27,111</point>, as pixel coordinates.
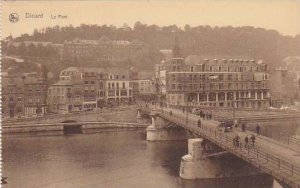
<point>14,17</point>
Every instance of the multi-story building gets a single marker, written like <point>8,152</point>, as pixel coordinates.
<point>60,96</point>
<point>12,97</point>
<point>238,83</point>
<point>23,96</point>
<point>35,96</point>
<point>119,87</point>
<point>90,88</point>
<point>146,87</point>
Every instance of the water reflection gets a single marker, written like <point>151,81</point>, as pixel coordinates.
<point>102,159</point>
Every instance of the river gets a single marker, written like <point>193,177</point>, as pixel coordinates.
<point>101,159</point>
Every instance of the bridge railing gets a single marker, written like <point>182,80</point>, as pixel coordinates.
<point>279,168</point>
<point>290,140</point>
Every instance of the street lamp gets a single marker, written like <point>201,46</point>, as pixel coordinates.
<point>187,108</point>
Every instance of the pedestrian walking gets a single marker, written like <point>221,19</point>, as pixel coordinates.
<point>199,123</point>
<point>210,115</point>
<point>257,128</point>
<point>236,141</point>
<point>252,140</point>
<point>243,127</point>
<point>246,141</point>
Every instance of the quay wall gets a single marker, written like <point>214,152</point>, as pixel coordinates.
<point>122,114</point>
<point>81,126</point>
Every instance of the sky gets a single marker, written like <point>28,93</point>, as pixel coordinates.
<point>280,15</point>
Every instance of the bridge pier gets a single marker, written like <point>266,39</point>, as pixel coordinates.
<point>206,161</point>
<point>194,165</point>
<point>162,130</point>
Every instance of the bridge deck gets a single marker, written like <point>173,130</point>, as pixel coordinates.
<point>268,155</point>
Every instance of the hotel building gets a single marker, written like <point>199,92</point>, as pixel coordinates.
<point>240,83</point>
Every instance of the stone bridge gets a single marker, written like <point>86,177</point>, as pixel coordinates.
<point>266,156</point>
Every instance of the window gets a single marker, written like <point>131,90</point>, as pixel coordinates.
<point>236,77</point>
<point>86,82</point>
<point>117,85</point>
<point>123,85</point>
<point>221,77</point>
<point>173,77</point>
<point>123,92</point>
<point>179,87</point>
<point>101,85</point>
<point>173,86</point>
<point>220,69</point>
<point>92,82</point>
<point>229,77</point>
<point>221,86</point>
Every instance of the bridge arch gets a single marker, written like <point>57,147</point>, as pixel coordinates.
<point>71,127</point>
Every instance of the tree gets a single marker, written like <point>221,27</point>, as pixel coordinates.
<point>31,50</point>
<point>11,50</point>
<point>21,49</point>
<point>187,28</point>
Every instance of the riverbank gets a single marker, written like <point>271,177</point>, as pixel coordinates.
<point>122,114</point>
<point>75,127</point>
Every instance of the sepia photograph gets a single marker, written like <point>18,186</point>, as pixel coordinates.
<point>150,94</point>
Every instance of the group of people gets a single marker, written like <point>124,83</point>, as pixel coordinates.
<point>243,128</point>
<point>237,141</point>
<point>207,115</point>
